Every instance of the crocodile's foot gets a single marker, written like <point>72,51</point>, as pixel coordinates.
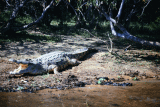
<point>56,71</point>
<point>59,74</point>
<point>74,62</point>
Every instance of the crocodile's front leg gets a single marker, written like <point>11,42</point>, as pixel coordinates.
<point>54,68</point>
<point>74,62</point>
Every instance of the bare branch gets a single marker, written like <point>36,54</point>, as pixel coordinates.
<point>111,24</point>
<point>120,11</point>
<point>15,12</point>
<point>58,2</point>
<point>128,19</point>
<point>144,8</point>
<point>44,4</point>
<point>82,14</point>
<point>37,21</point>
<point>45,10</point>
<point>7,3</point>
<point>127,47</point>
<point>88,32</point>
<point>133,11</point>
<point>83,4</point>
<point>73,10</point>
<point>111,43</point>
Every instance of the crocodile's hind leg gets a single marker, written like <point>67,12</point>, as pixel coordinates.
<point>54,68</point>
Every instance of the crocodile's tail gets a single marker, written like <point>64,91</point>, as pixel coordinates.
<point>85,49</point>
<point>25,61</point>
<point>92,50</point>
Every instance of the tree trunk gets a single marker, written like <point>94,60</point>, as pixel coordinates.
<point>126,34</point>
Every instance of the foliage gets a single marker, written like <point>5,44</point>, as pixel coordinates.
<point>26,19</point>
<point>69,16</point>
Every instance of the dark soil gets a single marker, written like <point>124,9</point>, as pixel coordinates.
<point>119,67</point>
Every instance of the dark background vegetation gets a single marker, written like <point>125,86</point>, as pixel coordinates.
<point>61,19</point>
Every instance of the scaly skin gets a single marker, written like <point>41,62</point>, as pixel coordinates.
<point>51,62</point>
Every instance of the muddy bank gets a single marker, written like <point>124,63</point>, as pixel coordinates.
<point>100,80</point>
<point>142,94</point>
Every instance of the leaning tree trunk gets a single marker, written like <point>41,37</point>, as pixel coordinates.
<point>125,33</point>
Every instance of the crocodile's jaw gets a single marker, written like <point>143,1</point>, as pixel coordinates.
<point>21,67</point>
<point>28,68</point>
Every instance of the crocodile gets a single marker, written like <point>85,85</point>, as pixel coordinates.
<point>50,62</point>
